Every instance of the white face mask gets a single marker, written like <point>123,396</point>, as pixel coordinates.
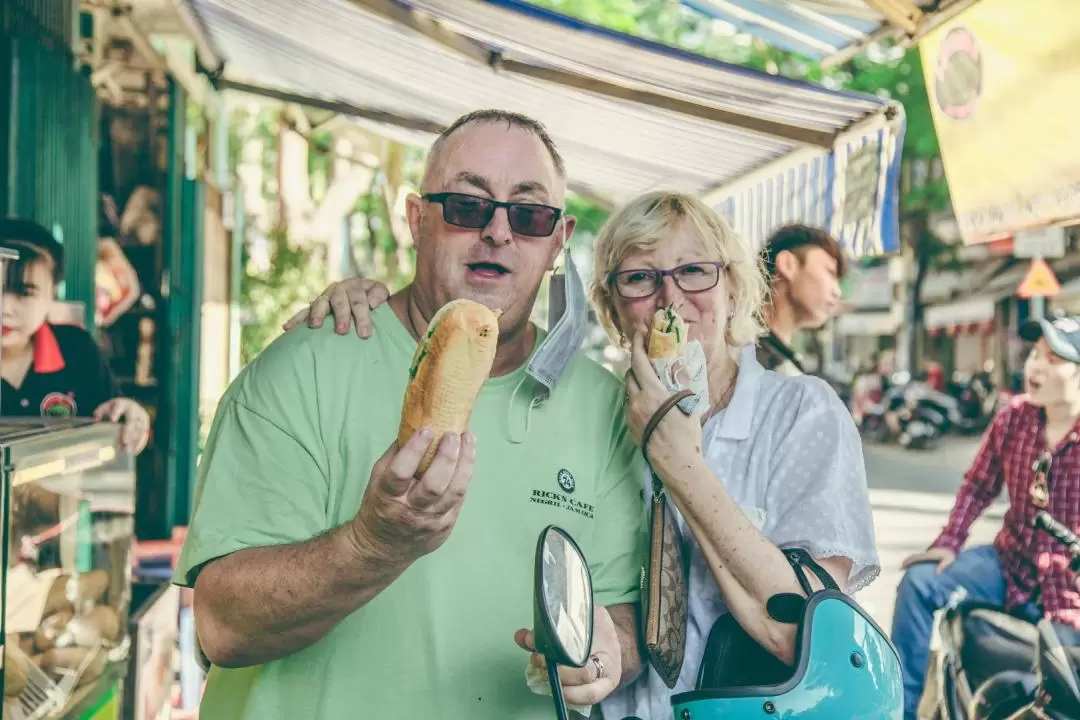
<point>566,334</point>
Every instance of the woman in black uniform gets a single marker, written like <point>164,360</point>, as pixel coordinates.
<point>54,370</point>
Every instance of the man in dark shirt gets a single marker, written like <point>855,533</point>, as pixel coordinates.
<point>53,370</point>
<point>1032,451</point>
<point>805,266</point>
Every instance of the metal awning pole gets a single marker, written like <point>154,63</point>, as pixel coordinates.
<point>338,106</point>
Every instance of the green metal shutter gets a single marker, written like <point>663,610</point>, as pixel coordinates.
<point>7,72</point>
<point>185,206</point>
<point>52,163</point>
<point>54,21</point>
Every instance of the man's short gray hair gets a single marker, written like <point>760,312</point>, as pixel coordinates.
<point>512,119</point>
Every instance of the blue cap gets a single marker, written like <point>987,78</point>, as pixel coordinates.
<point>1062,335</point>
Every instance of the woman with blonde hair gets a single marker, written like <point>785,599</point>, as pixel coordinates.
<point>774,463</point>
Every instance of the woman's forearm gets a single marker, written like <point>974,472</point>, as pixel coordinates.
<point>751,612</point>
<point>748,568</point>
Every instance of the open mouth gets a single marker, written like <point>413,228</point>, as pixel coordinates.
<point>488,269</point>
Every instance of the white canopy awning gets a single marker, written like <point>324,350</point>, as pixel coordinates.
<point>830,30</point>
<point>628,115</point>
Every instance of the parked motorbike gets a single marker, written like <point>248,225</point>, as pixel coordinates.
<point>924,417</point>
<point>870,418</point>
<point>910,411</point>
<point>999,666</point>
<point>976,400</point>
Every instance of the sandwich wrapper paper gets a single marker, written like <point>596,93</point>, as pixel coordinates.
<point>537,680</point>
<point>686,371</point>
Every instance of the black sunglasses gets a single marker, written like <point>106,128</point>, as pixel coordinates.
<point>475,213</point>
<point>644,282</point>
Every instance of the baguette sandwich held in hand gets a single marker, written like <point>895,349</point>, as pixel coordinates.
<point>667,336</point>
<point>452,361</point>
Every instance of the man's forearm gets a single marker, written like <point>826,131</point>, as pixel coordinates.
<point>261,604</point>
<point>625,618</point>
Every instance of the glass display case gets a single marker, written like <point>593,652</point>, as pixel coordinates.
<point>68,520</point>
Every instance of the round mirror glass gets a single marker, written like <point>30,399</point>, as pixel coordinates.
<point>567,596</point>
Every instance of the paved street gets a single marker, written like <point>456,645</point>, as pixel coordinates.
<point>912,493</point>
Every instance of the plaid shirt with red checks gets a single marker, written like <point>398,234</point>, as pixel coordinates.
<point>1035,565</point>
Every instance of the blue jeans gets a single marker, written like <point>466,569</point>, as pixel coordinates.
<point>923,591</point>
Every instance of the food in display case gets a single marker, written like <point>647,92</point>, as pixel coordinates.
<point>67,585</point>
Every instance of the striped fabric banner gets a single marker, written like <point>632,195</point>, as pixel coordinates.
<point>851,191</point>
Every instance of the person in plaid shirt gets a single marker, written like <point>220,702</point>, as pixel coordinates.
<point>1032,450</point>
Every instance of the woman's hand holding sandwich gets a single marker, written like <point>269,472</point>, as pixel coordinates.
<point>404,516</point>
<point>677,438</point>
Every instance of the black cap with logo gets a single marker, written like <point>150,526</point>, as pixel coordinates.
<point>1062,334</point>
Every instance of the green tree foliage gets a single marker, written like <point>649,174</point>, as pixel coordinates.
<point>272,286</point>
<point>590,218</point>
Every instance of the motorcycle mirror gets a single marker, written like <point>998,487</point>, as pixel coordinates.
<point>562,606</point>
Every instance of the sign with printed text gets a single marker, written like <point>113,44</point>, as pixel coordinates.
<point>1039,282</point>
<point>1004,102</point>
<point>1042,243</point>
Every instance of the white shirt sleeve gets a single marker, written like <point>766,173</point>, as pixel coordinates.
<point>817,496</point>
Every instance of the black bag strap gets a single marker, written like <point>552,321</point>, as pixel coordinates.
<point>801,560</point>
<point>658,416</point>
<point>781,348</point>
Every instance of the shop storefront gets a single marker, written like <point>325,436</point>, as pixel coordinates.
<point>964,335</point>
<point>869,320</point>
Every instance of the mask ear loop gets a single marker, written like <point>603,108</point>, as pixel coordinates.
<point>534,402</point>
<point>557,309</point>
<point>557,284</point>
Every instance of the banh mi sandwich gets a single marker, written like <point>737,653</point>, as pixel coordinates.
<point>451,363</point>
<point>667,335</point>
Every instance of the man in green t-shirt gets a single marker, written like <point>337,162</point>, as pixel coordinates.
<point>333,582</point>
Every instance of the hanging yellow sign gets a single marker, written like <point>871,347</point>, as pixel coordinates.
<point>1002,78</point>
